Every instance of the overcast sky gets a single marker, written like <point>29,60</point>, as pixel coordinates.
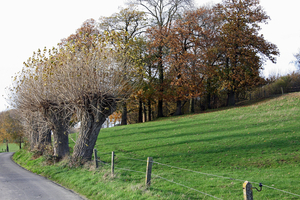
<point>27,25</point>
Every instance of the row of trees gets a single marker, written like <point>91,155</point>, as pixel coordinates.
<point>166,52</point>
<point>191,53</point>
<point>79,81</point>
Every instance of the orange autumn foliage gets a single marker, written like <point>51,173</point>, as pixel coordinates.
<point>115,117</point>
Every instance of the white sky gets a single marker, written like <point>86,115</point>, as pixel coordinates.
<point>27,25</point>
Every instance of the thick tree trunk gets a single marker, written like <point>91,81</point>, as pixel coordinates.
<point>60,139</point>
<point>161,81</point>
<point>160,108</point>
<point>91,123</point>
<point>60,128</point>
<point>231,98</point>
<point>87,138</point>
<point>124,114</point>
<point>192,105</point>
<point>178,108</point>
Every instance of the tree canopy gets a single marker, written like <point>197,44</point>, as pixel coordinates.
<point>162,56</point>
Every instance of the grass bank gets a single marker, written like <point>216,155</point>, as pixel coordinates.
<point>12,147</point>
<point>195,156</point>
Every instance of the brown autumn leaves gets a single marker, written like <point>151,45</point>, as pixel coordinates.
<point>175,54</point>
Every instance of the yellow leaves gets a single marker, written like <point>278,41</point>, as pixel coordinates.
<point>26,65</point>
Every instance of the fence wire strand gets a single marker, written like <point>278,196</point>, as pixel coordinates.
<point>203,173</point>
<point>120,168</point>
<point>223,177</point>
<point>198,172</point>
<point>185,186</point>
<point>100,161</point>
<point>130,170</point>
<point>103,153</point>
<point>278,189</point>
<point>133,159</point>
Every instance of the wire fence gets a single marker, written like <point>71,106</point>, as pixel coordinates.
<point>269,91</point>
<point>224,177</point>
<point>163,178</point>
<point>193,171</point>
<point>186,186</point>
<point>198,172</point>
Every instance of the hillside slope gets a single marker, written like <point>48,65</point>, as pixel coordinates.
<point>196,156</point>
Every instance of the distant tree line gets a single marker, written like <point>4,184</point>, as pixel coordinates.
<point>149,60</point>
<point>11,129</point>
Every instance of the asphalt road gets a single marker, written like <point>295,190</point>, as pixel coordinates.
<point>17,183</point>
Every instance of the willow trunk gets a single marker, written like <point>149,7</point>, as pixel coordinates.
<point>94,113</point>
<point>87,137</point>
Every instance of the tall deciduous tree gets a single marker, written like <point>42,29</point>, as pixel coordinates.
<point>124,28</point>
<point>188,40</point>
<point>162,13</point>
<point>36,92</point>
<point>81,77</point>
<point>91,81</point>
<point>243,49</point>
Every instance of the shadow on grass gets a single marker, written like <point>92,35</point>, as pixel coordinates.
<point>260,148</point>
<point>178,126</point>
<point>188,126</point>
<point>173,122</point>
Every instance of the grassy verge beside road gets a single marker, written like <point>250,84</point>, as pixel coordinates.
<point>194,155</point>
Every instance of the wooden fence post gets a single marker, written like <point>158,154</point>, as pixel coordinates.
<point>282,90</point>
<point>148,171</point>
<point>112,163</point>
<point>95,158</point>
<point>247,190</point>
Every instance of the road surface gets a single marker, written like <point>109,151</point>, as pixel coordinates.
<point>17,183</point>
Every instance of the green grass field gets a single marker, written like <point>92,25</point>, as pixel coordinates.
<point>12,147</point>
<point>215,151</point>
